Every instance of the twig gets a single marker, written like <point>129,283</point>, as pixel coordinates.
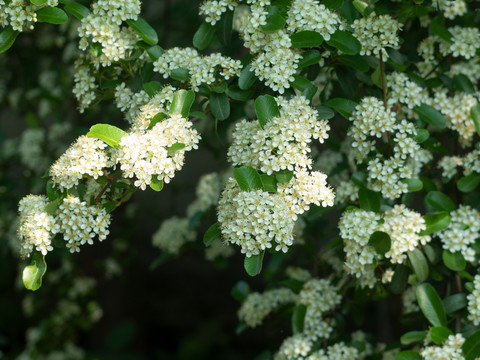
<point>110,179</point>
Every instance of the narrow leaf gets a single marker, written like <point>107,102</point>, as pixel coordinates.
<point>431,116</point>
<point>77,10</point>
<point>108,133</point>
<point>266,107</point>
<point>144,30</point>
<point>7,38</point>
<point>33,273</point>
<point>253,264</point>
<point>431,304</point>
<point>298,318</point>
<point>212,234</point>
<point>182,102</point>
<point>419,264</point>
<point>203,36</point>
<point>306,39</point>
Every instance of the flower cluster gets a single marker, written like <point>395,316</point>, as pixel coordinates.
<point>451,349</point>
<point>202,69</point>
<point>86,156</point>
<point>147,154</point>
<point>338,351</point>
<point>409,300</point>
<point>208,192</point>
<point>462,232</point>
<point>173,234</point>
<point>159,103</point>
<point>129,102</point>
<point>20,15</point>
<point>465,42</point>
<point>85,84</point>
<point>474,302</point>
<point>213,9</point>
<point>452,8</point>
<point>375,33</point>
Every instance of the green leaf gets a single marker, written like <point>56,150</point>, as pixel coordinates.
<point>253,264</point>
<point>422,135</point>
<point>212,234</point>
<point>269,183</point>
<point>413,337</point>
<point>362,7</point>
<point>180,74</point>
<point>247,78</point>
<point>324,113</point>
<point>439,334</point>
<point>305,86</point>
<point>38,2</point>
<point>414,184</point>
<point>471,346</point>
<point>96,49</point>
<point>298,318</point>
<point>400,279</point>
<point>152,87</point>
<point>52,207</point>
<point>431,304</point>
<point>369,200</point>
<point>474,114</point>
<point>469,183</point>
<point>220,88</point>
<point>430,115</point>
<point>377,77</point>
<point>306,39</point>
<point>284,176</point>
<point>182,102</point>
<point>454,261</point>
<point>309,57</point>
<point>174,148</point>
<point>155,184</point>
<point>220,106</point>
<point>33,273</point>
<point>274,22</point>
<point>154,52</point>
<point>463,83</point>
<point>223,27</point>
<point>247,178</point>
<point>266,108</point>
<point>156,119</point>
<point>345,42</point>
<point>380,241</point>
<point>108,133</point>
<point>407,355</point>
<point>144,30</point>
<point>439,201</point>
<point>354,61</point>
<point>455,302</point>
<point>240,291</point>
<point>238,94</point>
<point>333,4</point>
<point>345,107</point>
<point>436,222</point>
<point>77,10</point>
<point>441,31</point>
<point>7,38</point>
<point>419,264</point>
<point>52,15</point>
<point>359,178</point>
<point>203,36</point>
<point>53,193</point>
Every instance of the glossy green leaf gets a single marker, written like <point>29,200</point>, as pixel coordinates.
<point>362,7</point>
<point>305,86</point>
<point>155,184</point>
<point>324,113</point>
<point>439,201</point>
<point>52,207</point>
<point>412,337</point>
<point>463,83</point>
<point>436,222</point>
<point>474,114</point>
<point>180,74</point>
<point>269,183</point>
<point>439,334</point>
<point>108,133</point>
<point>247,78</point>
<point>333,4</point>
<point>220,106</point>
<point>345,42</point>
<point>154,52</point>
<point>7,38</point>
<point>152,87</point>
<point>419,264</point>
<point>284,176</point>
<point>33,273</point>
<point>159,117</point>
<point>144,30</point>
<point>274,22</point>
<point>224,27</point>
<point>376,77</point>
<point>369,200</point>
<point>203,36</point>
<point>266,108</point>
<point>441,31</point>
<point>380,241</point>
<point>220,88</point>
<point>359,178</point>
<point>309,57</point>
<point>174,148</point>
<point>38,2</point>
<point>345,107</point>
<point>469,183</point>
<point>354,61</point>
<point>306,39</point>
<point>422,135</point>
<point>414,185</point>
<point>182,102</point>
<point>53,192</point>
<point>298,318</point>
<point>454,261</point>
<point>431,116</point>
<point>400,279</point>
<point>212,234</point>
<point>471,346</point>
<point>407,355</point>
<point>431,304</point>
<point>253,264</point>
<point>77,10</point>
<point>238,94</point>
<point>52,15</point>
<point>455,302</point>
<point>247,178</point>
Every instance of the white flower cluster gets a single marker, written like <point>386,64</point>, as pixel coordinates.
<point>451,349</point>
<point>470,69</point>
<point>469,163</point>
<point>409,300</point>
<point>145,154</point>
<point>338,351</point>
<point>78,222</point>
<point>465,42</point>
<point>473,306</point>
<point>19,14</point>
<point>129,102</point>
<point>375,33</point>
<point>173,234</point>
<point>208,192</point>
<point>371,119</point>
<point>202,69</point>
<point>404,91</point>
<point>218,249</point>
<point>256,219</point>
<point>257,306</point>
<point>159,103</point>
<point>462,232</point>
<point>452,8</point>
<point>86,156</point>
<point>31,149</point>
<point>213,9</point>
<point>356,227</point>
<point>297,273</point>
<point>35,229</point>
<point>449,165</point>
<point>85,85</point>
<point>103,26</point>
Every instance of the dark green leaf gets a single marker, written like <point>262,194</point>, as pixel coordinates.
<point>253,264</point>
<point>436,222</point>
<point>156,119</point>
<point>155,184</point>
<point>469,183</point>
<point>419,264</point>
<point>377,77</point>
<point>441,31</point>
<point>414,185</point>
<point>144,30</point>
<point>240,291</point>
<point>380,241</point>
<point>309,57</point>
<point>53,193</point>
<point>333,4</point>
<point>174,148</point>
<point>274,22</point>
<point>474,113</point>
<point>430,115</point>
<point>463,83</point>
<point>413,337</point>
<point>77,10</point>
<point>455,302</point>
<point>238,94</point>
<point>52,15</point>
<point>220,88</point>
<point>439,201</point>
<point>305,86</point>
<point>354,61</point>
<point>431,304</point>
<point>400,279</point>
<point>298,318</point>
<point>284,176</point>
<point>7,38</point>
<point>108,133</point>
<point>266,108</point>
<point>53,206</point>
<point>154,52</point>
<point>182,102</point>
<point>247,78</point>
<point>306,39</point>
<point>454,261</point>
<point>471,346</point>
<point>33,273</point>
<point>180,74</point>
<point>422,135</point>
<point>269,183</point>
<point>324,113</point>
<point>345,42</point>
<point>407,355</point>
<point>152,87</point>
<point>203,36</point>
<point>439,334</point>
<point>220,106</point>
<point>247,178</point>
<point>369,200</point>
<point>344,106</point>
<point>223,27</point>
<point>359,178</point>
<point>362,7</point>
<point>212,234</point>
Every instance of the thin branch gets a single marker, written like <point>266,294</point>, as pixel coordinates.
<point>111,179</point>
